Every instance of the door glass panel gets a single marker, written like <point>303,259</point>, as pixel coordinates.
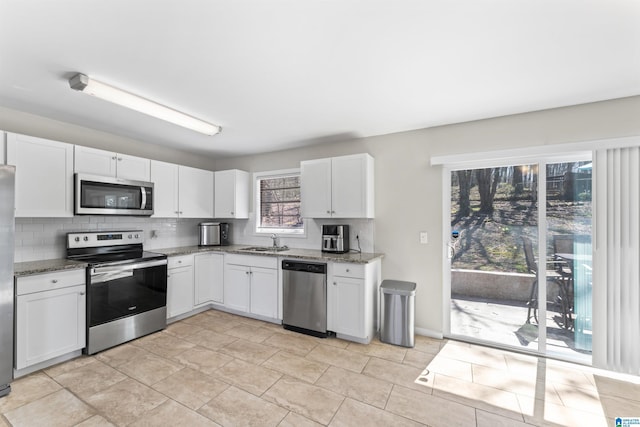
<point>494,211</point>
<point>569,314</point>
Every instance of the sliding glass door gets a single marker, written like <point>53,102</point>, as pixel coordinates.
<point>501,289</point>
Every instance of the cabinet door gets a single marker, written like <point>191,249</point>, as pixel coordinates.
<point>132,167</point>
<point>179,291</point>
<point>315,188</point>
<point>94,161</point>
<point>231,194</point>
<point>348,306</point>
<point>49,324</point>
<point>208,275</point>
<point>352,195</point>
<point>236,287</point>
<point>195,193</point>
<point>44,176</point>
<point>264,292</point>
<point>165,189</point>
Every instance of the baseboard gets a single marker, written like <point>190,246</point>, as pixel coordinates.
<point>429,333</point>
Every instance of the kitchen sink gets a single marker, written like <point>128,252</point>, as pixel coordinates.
<point>265,248</point>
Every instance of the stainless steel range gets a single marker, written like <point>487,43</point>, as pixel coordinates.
<point>126,286</point>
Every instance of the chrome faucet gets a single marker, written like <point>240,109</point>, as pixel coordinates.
<point>275,240</point>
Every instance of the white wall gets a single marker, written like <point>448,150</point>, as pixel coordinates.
<point>409,190</point>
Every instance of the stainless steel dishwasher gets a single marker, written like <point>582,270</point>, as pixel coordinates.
<point>304,307</point>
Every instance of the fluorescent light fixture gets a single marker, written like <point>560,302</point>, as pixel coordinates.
<point>82,83</point>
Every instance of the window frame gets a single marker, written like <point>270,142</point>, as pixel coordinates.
<point>257,177</point>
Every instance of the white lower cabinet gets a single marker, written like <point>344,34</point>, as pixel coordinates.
<point>179,285</point>
<point>208,278</point>
<point>352,295</point>
<point>251,285</point>
<point>50,316</point>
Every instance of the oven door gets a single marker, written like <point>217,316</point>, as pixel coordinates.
<point>102,195</point>
<point>123,290</point>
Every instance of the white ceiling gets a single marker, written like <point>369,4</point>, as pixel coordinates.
<point>283,73</point>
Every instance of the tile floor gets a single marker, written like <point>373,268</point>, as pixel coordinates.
<point>219,369</point>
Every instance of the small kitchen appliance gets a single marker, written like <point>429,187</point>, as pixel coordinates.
<point>213,234</point>
<point>335,238</point>
<point>103,195</point>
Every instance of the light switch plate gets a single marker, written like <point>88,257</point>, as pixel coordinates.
<point>424,238</point>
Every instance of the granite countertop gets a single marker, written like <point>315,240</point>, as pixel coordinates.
<point>50,265</point>
<point>45,266</point>
<point>351,257</point>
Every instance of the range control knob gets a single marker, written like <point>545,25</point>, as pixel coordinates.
<point>137,236</point>
<point>130,236</point>
<point>85,238</point>
<point>77,239</point>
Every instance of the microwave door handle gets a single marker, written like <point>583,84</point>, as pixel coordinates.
<point>144,198</point>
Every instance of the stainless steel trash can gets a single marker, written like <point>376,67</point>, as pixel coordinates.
<point>398,304</point>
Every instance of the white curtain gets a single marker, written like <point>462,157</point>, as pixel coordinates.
<point>616,263</point>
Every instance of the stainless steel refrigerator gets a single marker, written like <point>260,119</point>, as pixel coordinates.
<point>7,229</point>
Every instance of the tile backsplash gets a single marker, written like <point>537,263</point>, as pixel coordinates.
<point>45,238</point>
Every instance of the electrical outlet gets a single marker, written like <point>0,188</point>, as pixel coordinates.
<point>424,238</point>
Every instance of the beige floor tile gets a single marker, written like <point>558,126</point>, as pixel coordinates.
<point>578,398</point>
<point>95,421</point>
<point>305,399</point>
<point>90,378</point>
<point>60,408</point>
<point>293,343</point>
<point>526,385</point>
<point>171,413</point>
<point>164,344</point>
<point>397,373</point>
<point>360,387</point>
<point>616,388</point>
<point>489,399</point>
<point>487,419</point>
<point>150,368</point>
<point>249,351</point>
<point>202,359</point>
<point>121,354</point>
<point>338,357</point>
<point>566,375</point>
<point>191,388</point>
<point>251,333</point>
<point>474,354</point>
<point>417,358</point>
<point>218,323</point>
<point>296,366</point>
<point>430,410</point>
<point>380,350</point>
<point>69,365</point>
<point>353,413</point>
<point>620,407</point>
<point>126,401</point>
<point>427,344</point>
<point>543,413</point>
<point>451,367</point>
<point>295,420</point>
<point>182,329</point>
<point>28,389</point>
<point>234,407</point>
<point>334,342</point>
<point>5,423</point>
<point>210,339</point>
<point>252,378</point>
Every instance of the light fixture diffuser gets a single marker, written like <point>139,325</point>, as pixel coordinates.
<point>83,83</point>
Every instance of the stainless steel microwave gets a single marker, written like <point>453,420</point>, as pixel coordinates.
<point>104,195</point>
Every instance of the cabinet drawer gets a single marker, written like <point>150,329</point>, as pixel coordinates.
<point>49,281</point>
<point>179,261</point>
<point>348,270</point>
<point>252,260</point>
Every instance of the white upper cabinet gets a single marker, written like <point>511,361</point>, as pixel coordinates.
<point>106,163</point>
<point>181,191</point>
<point>44,176</point>
<point>195,192</point>
<point>231,194</point>
<point>338,187</point>
<point>165,189</point>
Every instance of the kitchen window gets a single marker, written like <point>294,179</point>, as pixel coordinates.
<point>278,202</point>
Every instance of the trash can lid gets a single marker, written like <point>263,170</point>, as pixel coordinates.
<point>398,287</point>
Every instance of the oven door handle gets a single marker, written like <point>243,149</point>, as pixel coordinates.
<point>126,267</point>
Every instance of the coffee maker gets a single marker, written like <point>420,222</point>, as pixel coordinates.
<point>335,238</point>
